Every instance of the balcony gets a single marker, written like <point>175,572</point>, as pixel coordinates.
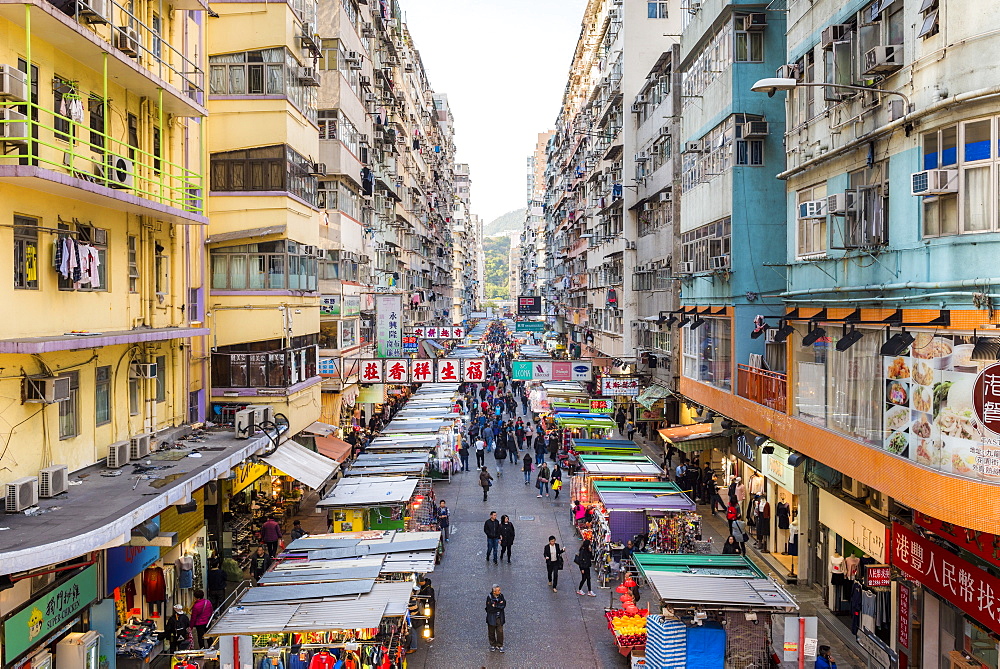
<point>148,66</point>
<point>281,372</point>
<point>63,157</point>
<point>769,389</point>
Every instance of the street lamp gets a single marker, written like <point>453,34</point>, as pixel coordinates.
<point>772,85</point>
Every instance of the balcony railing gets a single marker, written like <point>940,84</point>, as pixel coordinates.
<point>763,387</point>
<point>93,155</point>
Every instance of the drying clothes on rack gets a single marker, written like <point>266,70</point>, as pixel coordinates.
<point>78,262</point>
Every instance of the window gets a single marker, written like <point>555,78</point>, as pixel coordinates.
<point>328,61</point>
<point>280,265</point>
<point>841,390</point>
<point>266,168</point>
<point>811,231</point>
<point>656,10</point>
<point>133,264</point>
<point>133,397</point>
<point>161,378</point>
<point>263,72</point>
<point>102,395</point>
<point>25,253</point>
<point>748,46</point>
<point>713,60</point>
<point>156,28</point>
<point>706,353</point>
<point>96,109</point>
<point>133,135</point>
<point>161,271</point>
<point>157,155</point>
<point>97,239</point>
<point>63,95</point>
<point>704,243</point>
<point>265,364</point>
<point>328,123</point>
<point>69,424</point>
<point>329,334</point>
<point>867,222</point>
<point>929,22</point>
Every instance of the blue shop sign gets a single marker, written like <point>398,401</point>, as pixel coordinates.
<point>127,562</point>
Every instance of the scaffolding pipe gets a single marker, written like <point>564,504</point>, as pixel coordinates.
<point>906,285</point>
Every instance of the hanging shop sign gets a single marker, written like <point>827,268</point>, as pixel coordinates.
<point>877,576</point>
<point>440,331</point>
<point>352,305</point>
<point>775,467</point>
<point>245,474</point>
<point>329,305</point>
<point>963,584</point>
<point>620,385</point>
<point>404,370</point>
<point>904,616</point>
<point>47,614</point>
<point>529,326</point>
<point>986,398</point>
<point>862,530</point>
<point>328,367</point>
<point>602,406</point>
<point>411,344</point>
<point>529,305</point>
<point>980,544</point>
<point>123,563</point>
<point>744,449</point>
<point>536,370</point>
<point>388,333</point>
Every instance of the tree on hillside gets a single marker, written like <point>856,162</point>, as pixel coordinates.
<point>497,252</point>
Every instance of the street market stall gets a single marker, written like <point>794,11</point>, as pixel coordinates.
<point>716,609</point>
<point>584,425</point>
<point>606,447</point>
<point>447,432</point>
<point>613,468</point>
<point>390,464</point>
<point>380,503</point>
<point>659,516</point>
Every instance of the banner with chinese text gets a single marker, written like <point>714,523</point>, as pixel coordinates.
<point>404,370</point>
<point>619,385</point>
<point>388,321</point>
<point>440,331</point>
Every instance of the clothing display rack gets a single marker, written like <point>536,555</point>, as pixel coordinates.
<point>675,532</point>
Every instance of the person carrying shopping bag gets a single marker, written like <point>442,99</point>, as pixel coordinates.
<point>542,481</point>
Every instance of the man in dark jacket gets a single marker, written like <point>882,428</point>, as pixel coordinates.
<point>495,617</point>
<point>512,446</point>
<point>539,449</point>
<point>553,561</point>
<point>271,533</point>
<point>216,584</point>
<point>491,528</point>
<point>500,453</point>
<point>259,563</point>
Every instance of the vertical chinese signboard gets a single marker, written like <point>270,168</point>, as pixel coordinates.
<point>388,333</point>
<point>963,584</point>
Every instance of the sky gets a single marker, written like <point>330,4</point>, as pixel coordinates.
<point>503,65</point>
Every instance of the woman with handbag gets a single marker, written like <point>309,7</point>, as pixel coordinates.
<point>542,482</point>
<point>556,481</point>
<point>485,480</point>
<point>553,561</point>
<point>584,559</point>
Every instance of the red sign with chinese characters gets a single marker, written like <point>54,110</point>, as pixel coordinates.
<point>980,544</point>
<point>961,583</point>
<point>904,616</point>
<point>986,397</point>
<point>877,576</point>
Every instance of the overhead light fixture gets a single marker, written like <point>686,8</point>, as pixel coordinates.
<point>709,417</point>
<point>760,440</point>
<point>814,335</point>
<point>784,330</point>
<point>986,349</point>
<point>684,320</point>
<point>896,344</point>
<point>698,322</point>
<point>850,338</point>
<point>796,459</point>
<point>670,321</point>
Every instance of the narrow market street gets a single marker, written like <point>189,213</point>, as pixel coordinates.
<point>544,628</point>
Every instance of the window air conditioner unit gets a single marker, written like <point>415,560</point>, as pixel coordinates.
<point>142,370</point>
<point>95,11</point>
<point>363,139</point>
<point>692,147</point>
<point>53,481</point>
<point>46,389</point>
<point>367,30</point>
<point>641,157</point>
<point>883,59</point>
<point>13,84</point>
<point>308,76</point>
<point>934,182</point>
<point>127,41</point>
<point>640,99</point>
<point>837,32</point>
<point>21,494</point>
<point>755,21</point>
<point>637,107</point>
<point>120,172</point>
<point>264,414</point>
<point>719,262</point>
<point>140,445</point>
<point>318,170</point>
<point>769,335</point>
<point>364,80</point>
<point>408,67</point>
<point>789,71</point>
<point>119,454</point>
<point>13,126</point>
<point>686,267</point>
<point>853,487</point>
<point>245,423</point>
<point>755,130</point>
<point>812,209</point>
<point>615,15</point>
<point>840,204</point>
<point>665,196</point>
<point>352,57</point>
<point>629,245</point>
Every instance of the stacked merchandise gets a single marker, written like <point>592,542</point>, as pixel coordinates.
<point>423,510</point>
<point>136,640</point>
<point>674,533</point>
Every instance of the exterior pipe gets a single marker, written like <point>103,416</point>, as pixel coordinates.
<point>917,285</point>
<point>905,298</point>
<point>889,127</point>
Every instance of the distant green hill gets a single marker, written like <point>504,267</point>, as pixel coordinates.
<point>511,221</point>
<point>497,252</point>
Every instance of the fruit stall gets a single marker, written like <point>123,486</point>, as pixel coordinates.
<point>627,623</point>
<point>715,609</point>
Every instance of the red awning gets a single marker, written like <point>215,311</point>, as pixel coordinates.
<point>334,448</point>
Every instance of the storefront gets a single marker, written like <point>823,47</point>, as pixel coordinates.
<point>849,542</point>
<point>947,612</point>
<point>56,625</point>
<point>777,509</point>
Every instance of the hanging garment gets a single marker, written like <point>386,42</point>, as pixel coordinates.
<point>322,660</point>
<point>185,572</point>
<point>783,511</point>
<point>57,253</point>
<point>851,565</point>
<point>154,585</point>
<point>299,660</point>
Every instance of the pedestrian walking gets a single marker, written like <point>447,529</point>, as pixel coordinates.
<point>485,480</point>
<point>491,528</point>
<point>584,559</point>
<point>201,614</point>
<point>444,520</point>
<point>480,452</point>
<point>741,535</point>
<point>297,531</point>
<point>526,467</point>
<point>495,618</point>
<point>270,534</point>
<point>630,429</point>
<point>177,629</point>
<point>260,562</point>
<point>730,547</point>
<point>512,447</point>
<point>216,578</point>
<point>499,454</point>
<point>539,449</point>
<point>542,481</point>
<point>620,420</point>
<point>506,537</point>
<point>553,561</point>
<point>556,481</point>
<point>824,660</point>
<point>463,456</point>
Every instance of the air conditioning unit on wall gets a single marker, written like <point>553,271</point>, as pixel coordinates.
<point>53,481</point>
<point>46,389</point>
<point>140,445</point>
<point>21,494</point>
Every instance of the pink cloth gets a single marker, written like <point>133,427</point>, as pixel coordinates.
<point>201,612</point>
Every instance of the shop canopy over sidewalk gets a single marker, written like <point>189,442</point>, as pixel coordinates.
<point>302,464</point>
<point>691,438</point>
